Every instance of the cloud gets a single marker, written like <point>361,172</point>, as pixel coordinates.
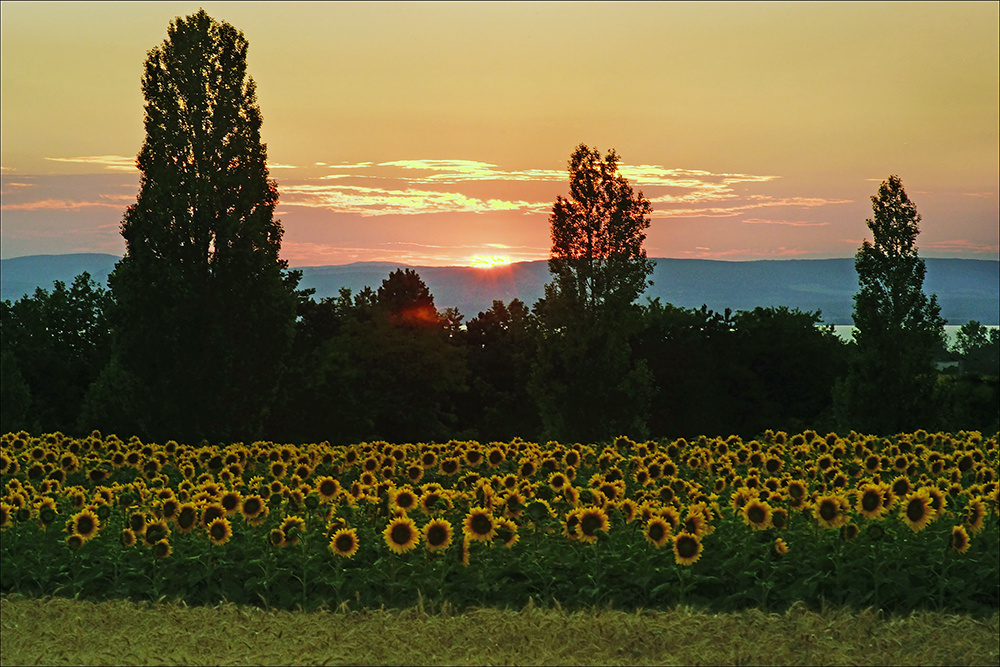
<point>757,201</point>
<point>367,202</point>
<point>961,245</point>
<point>62,204</point>
<point>112,162</point>
<point>790,223</point>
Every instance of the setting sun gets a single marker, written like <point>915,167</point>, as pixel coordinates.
<point>488,261</point>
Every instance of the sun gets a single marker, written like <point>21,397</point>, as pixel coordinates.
<point>488,261</point>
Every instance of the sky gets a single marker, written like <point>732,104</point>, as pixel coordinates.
<point>439,133</point>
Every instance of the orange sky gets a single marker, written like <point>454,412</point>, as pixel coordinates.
<point>431,133</point>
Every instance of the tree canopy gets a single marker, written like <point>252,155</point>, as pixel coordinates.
<point>205,307</point>
<point>898,327</point>
<point>597,258</point>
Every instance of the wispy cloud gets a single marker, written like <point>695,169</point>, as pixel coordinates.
<point>756,202</point>
<point>961,245</point>
<point>366,201</point>
<point>112,162</point>
<point>790,223</point>
<point>107,201</point>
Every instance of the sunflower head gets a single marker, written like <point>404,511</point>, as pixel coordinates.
<point>507,532</point>
<point>959,540</point>
<point>657,531</point>
<point>757,514</point>
<point>830,511</point>
<point>438,534</point>
<point>480,526</point>
<point>401,535</point>
<point>219,531</point>
<point>162,549</point>
<point>85,523</point>
<point>591,520</point>
<point>916,510</point>
<point>344,542</point>
<point>687,548</point>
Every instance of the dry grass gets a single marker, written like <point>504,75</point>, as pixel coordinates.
<point>57,631</point>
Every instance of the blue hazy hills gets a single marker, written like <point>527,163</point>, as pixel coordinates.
<point>967,289</point>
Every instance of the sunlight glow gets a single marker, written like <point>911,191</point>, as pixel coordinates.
<point>488,261</point>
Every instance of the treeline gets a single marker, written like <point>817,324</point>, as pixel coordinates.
<point>385,364</point>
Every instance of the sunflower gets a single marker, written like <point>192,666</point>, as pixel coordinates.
<point>254,509</point>
<point>479,525</point>
<point>628,508</point>
<point>292,528</point>
<point>403,498</point>
<point>917,511</point>
<point>276,537</point>
<point>849,531</point>
<point>449,466</point>
<point>507,532</point>
<point>975,513</point>
<point>128,538</point>
<point>780,547</point>
<point>437,534</point>
<point>186,518</point>
<point>871,501</point>
<point>211,512</point>
<point>155,532</point>
<point>219,530</point>
<point>230,501</point>
<point>687,548</point>
<point>757,514</point>
<point>558,481</point>
<point>161,549</point>
<point>401,534</point>
<point>591,520</point>
<point>85,524</point>
<point>495,456</point>
<point>797,493</point>
<point>75,541</point>
<point>327,488</point>
<point>831,511</point>
<point>344,542</point>
<point>937,500</point>
<point>959,539</point>
<point>657,531</point>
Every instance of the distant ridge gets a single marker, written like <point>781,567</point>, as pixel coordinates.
<point>967,289</point>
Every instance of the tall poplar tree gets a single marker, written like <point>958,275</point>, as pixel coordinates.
<point>898,328</point>
<point>205,308</point>
<point>585,381</point>
<point>597,258</point>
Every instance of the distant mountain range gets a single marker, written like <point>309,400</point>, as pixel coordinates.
<point>967,289</point>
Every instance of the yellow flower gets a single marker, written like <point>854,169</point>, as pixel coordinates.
<point>657,531</point>
<point>756,514</point>
<point>480,525</point>
<point>687,548</point>
<point>438,534</point>
<point>344,542</point>
<point>831,511</point>
<point>219,531</point>
<point>401,534</point>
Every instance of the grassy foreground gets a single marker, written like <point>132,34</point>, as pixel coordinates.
<point>57,631</point>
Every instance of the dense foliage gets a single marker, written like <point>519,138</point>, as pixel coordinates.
<point>898,523</point>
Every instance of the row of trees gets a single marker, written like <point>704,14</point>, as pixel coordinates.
<point>203,332</point>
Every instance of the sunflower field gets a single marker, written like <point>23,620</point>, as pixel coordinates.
<point>899,523</point>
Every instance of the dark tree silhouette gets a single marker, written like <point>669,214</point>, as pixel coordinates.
<point>597,259</point>
<point>204,306</point>
<point>898,329</point>
<point>54,345</point>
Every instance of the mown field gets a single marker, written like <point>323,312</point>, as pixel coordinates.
<point>58,631</point>
<point>895,524</point>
